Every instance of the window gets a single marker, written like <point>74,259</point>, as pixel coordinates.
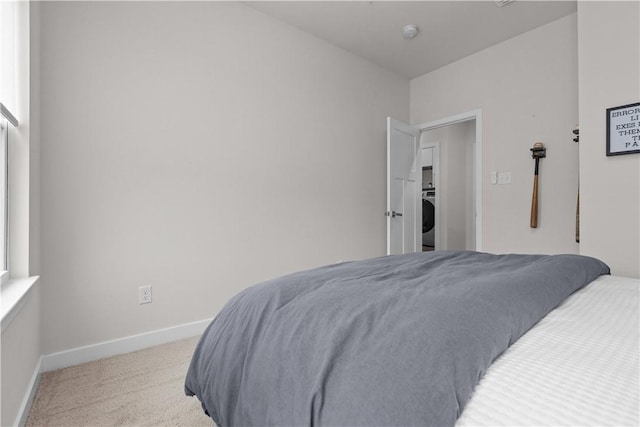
<point>8,85</point>
<point>15,51</point>
<point>4,143</point>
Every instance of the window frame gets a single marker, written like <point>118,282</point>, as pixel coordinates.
<point>4,198</point>
<point>7,119</point>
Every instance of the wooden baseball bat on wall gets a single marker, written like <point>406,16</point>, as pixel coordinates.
<point>537,152</point>
<point>534,203</point>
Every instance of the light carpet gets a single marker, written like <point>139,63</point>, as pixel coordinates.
<point>143,388</point>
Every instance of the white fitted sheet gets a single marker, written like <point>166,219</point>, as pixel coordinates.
<point>578,366</point>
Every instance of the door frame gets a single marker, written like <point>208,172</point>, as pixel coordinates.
<point>477,163</point>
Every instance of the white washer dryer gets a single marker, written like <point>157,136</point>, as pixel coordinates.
<point>428,217</point>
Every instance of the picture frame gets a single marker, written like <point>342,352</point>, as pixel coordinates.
<point>623,129</point>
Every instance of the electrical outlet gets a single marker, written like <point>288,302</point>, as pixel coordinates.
<point>144,294</point>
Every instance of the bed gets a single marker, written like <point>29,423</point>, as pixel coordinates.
<point>426,339</point>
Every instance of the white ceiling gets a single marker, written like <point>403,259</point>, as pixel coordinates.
<point>449,30</point>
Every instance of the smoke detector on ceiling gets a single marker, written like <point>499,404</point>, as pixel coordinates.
<point>501,3</point>
<point>410,31</point>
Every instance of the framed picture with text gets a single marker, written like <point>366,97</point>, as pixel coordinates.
<point>623,129</point>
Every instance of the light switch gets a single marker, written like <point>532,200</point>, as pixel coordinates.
<point>494,177</point>
<point>504,178</point>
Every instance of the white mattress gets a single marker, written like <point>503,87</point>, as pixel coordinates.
<point>578,366</point>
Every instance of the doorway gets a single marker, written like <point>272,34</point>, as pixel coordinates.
<point>470,134</point>
<point>453,196</point>
<point>404,195</point>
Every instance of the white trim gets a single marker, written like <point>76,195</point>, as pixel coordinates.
<point>97,351</point>
<point>451,120</point>
<point>388,205</point>
<point>27,401</point>
<point>14,295</point>
<point>477,161</point>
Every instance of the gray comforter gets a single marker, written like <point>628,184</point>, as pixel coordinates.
<point>397,340</point>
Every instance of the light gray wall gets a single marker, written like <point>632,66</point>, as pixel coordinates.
<point>609,49</point>
<point>199,148</point>
<point>527,89</point>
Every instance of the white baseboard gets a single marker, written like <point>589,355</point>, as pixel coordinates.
<point>97,351</point>
<point>25,406</point>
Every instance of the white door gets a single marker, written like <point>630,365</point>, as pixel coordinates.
<point>404,183</point>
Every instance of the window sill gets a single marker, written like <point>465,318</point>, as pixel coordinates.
<point>13,296</point>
